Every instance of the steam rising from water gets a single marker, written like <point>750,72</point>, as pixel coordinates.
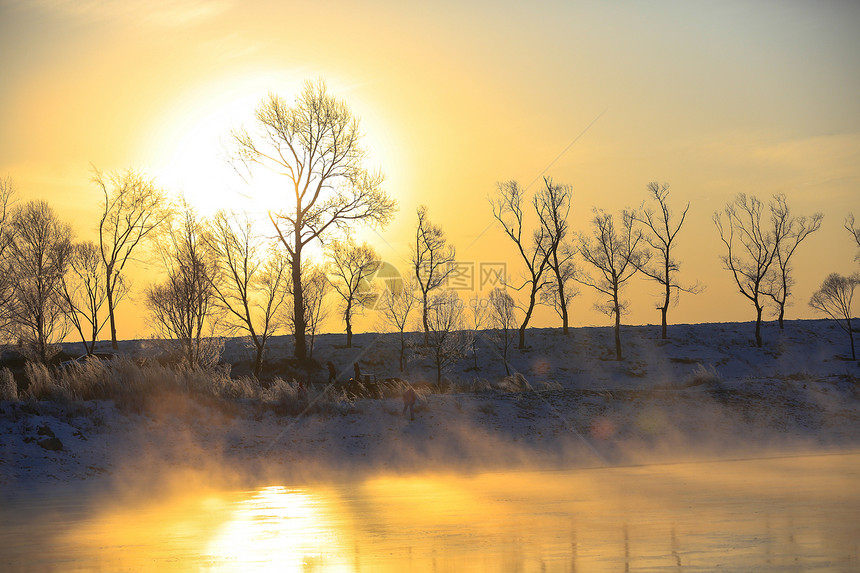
<point>762,515</point>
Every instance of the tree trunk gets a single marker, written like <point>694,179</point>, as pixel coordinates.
<point>301,350</point>
<point>348,329</point>
<point>402,351</point>
<point>532,300</point>
<point>664,310</point>
<point>617,331</point>
<point>781,314</point>
<point>851,338</point>
<point>424,319</point>
<point>561,298</point>
<point>758,341</point>
<point>258,360</point>
<point>109,291</point>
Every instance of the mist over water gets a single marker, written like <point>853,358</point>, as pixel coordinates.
<point>771,514</point>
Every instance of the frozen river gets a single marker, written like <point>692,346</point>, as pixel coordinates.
<point>778,514</point>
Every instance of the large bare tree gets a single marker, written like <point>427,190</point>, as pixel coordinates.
<point>661,230</point>
<point>834,299</point>
<point>38,259</point>
<point>507,207</point>
<point>558,293</point>
<point>789,231</point>
<point>616,255</point>
<point>133,207</point>
<point>351,267</point>
<point>182,306</point>
<point>432,261</point>
<point>253,280</point>
<point>315,145</point>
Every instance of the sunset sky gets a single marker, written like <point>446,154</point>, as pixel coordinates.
<point>713,98</point>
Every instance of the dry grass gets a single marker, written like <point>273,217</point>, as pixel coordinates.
<point>153,387</point>
<point>8,386</point>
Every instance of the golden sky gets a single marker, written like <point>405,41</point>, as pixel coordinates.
<point>714,98</point>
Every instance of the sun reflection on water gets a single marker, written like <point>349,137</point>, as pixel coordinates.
<point>280,529</point>
<point>763,515</point>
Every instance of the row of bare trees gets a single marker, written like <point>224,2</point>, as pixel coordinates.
<point>51,284</point>
<point>614,251</point>
<point>760,245</point>
<point>222,275</point>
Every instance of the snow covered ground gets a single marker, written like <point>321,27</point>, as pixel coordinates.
<point>706,392</point>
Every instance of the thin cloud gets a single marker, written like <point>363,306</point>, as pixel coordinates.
<point>162,13</point>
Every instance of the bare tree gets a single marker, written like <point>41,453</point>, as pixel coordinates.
<point>502,321</point>
<point>789,232</point>
<point>7,293</point>
<point>558,293</point>
<point>751,249</point>
<point>316,146</point>
<point>855,232</point>
<point>315,287</point>
<point>38,258</point>
<point>432,260</point>
<point>183,306</point>
<point>396,304</point>
<point>616,255</point>
<point>351,267</point>
<point>132,208</point>
<point>85,294</point>
<point>834,299</point>
<point>508,211</point>
<point>253,285</point>
<point>445,319</point>
<point>662,230</point>
<point>478,314</point>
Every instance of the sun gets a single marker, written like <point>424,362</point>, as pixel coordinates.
<point>190,150</point>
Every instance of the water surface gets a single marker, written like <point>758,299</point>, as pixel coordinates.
<point>781,514</point>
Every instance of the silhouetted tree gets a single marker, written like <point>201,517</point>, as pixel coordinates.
<point>789,231</point>
<point>315,145</point>
<point>254,274</point>
<point>503,321</point>
<point>855,232</point>
<point>182,307</point>
<point>39,254</point>
<point>751,248</point>
<point>446,340</point>
<point>396,304</point>
<point>616,255</point>
<point>432,261</point>
<point>351,267</point>
<point>315,287</point>
<point>834,299</point>
<point>85,293</point>
<point>759,251</point>
<point>132,209</point>
<point>558,293</point>
<point>7,293</point>
<point>508,210</point>
<point>660,234</point>
<point>478,311</point>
